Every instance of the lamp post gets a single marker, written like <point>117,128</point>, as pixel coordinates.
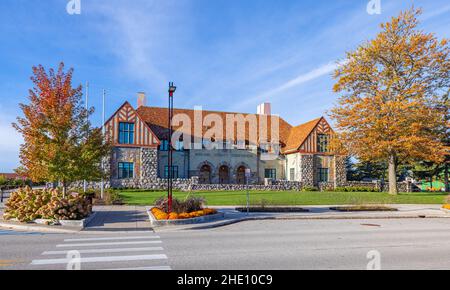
<point>172,90</point>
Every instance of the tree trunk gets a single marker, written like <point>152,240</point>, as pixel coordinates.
<point>393,175</point>
<point>447,184</point>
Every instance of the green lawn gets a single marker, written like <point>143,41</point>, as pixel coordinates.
<point>289,198</point>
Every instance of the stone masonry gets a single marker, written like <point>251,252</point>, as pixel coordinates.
<point>307,170</point>
<point>340,174</point>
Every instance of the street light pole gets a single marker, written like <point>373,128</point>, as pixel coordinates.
<point>172,90</point>
<point>102,185</point>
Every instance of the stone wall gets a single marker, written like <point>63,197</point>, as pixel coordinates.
<point>149,163</point>
<point>307,170</point>
<point>340,174</point>
<point>192,184</point>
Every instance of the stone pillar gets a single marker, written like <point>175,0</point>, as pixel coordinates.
<point>106,165</point>
<point>307,170</point>
<point>149,164</point>
<point>340,172</point>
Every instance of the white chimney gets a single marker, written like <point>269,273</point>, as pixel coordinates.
<point>264,109</point>
<point>142,99</point>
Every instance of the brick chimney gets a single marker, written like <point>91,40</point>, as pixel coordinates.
<point>264,109</point>
<point>142,100</point>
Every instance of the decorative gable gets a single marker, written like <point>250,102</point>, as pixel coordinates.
<point>143,135</point>
<point>310,143</point>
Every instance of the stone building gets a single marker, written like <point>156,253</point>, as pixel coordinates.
<point>299,154</point>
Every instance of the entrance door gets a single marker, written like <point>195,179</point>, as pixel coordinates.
<point>224,174</point>
<point>205,174</point>
<point>240,175</point>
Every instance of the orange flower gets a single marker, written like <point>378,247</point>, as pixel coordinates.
<point>446,206</point>
<point>173,216</point>
<point>159,214</point>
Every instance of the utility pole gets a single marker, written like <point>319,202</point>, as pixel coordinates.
<point>102,185</point>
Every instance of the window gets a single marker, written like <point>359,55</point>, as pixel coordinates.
<point>322,143</point>
<point>126,170</point>
<point>264,147</point>
<point>270,173</point>
<point>126,133</point>
<point>206,144</point>
<point>179,146</point>
<point>174,172</point>
<point>292,174</point>
<point>164,145</point>
<point>322,175</point>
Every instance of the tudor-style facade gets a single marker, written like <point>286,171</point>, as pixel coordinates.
<point>139,155</point>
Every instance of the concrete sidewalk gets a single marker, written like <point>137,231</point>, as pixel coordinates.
<point>106,220</point>
<point>119,219</point>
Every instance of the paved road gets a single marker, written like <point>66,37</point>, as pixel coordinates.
<point>294,244</point>
<point>128,251</point>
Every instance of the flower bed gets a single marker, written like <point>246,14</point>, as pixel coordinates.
<point>446,206</point>
<point>162,215</point>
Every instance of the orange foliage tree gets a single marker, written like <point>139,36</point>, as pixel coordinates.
<point>392,87</point>
<point>60,144</point>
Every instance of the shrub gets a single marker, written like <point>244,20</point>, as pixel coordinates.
<point>190,204</point>
<point>309,188</point>
<point>356,189</point>
<point>26,204</point>
<point>3,180</point>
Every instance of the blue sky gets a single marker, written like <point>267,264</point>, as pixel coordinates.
<point>222,54</point>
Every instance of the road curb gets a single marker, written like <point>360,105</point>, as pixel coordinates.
<point>37,228</point>
<point>246,219</point>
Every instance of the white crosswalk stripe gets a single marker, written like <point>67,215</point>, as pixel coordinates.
<point>99,259</point>
<point>112,239</point>
<point>108,253</point>
<point>142,268</point>
<point>107,244</point>
<point>98,251</point>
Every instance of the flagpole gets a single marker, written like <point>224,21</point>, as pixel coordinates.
<point>87,120</point>
<point>102,190</point>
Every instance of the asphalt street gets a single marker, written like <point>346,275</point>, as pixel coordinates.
<point>259,245</point>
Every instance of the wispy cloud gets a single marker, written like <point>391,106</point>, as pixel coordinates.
<point>303,78</point>
<point>10,141</point>
<point>434,13</point>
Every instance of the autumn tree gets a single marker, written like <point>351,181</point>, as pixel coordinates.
<point>60,144</point>
<point>391,88</point>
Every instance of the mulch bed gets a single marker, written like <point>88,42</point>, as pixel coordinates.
<point>273,209</point>
<point>363,208</point>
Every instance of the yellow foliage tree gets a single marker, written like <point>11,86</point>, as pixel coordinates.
<point>392,89</point>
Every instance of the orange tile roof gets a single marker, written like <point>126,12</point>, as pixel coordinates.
<point>299,134</point>
<point>290,137</point>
